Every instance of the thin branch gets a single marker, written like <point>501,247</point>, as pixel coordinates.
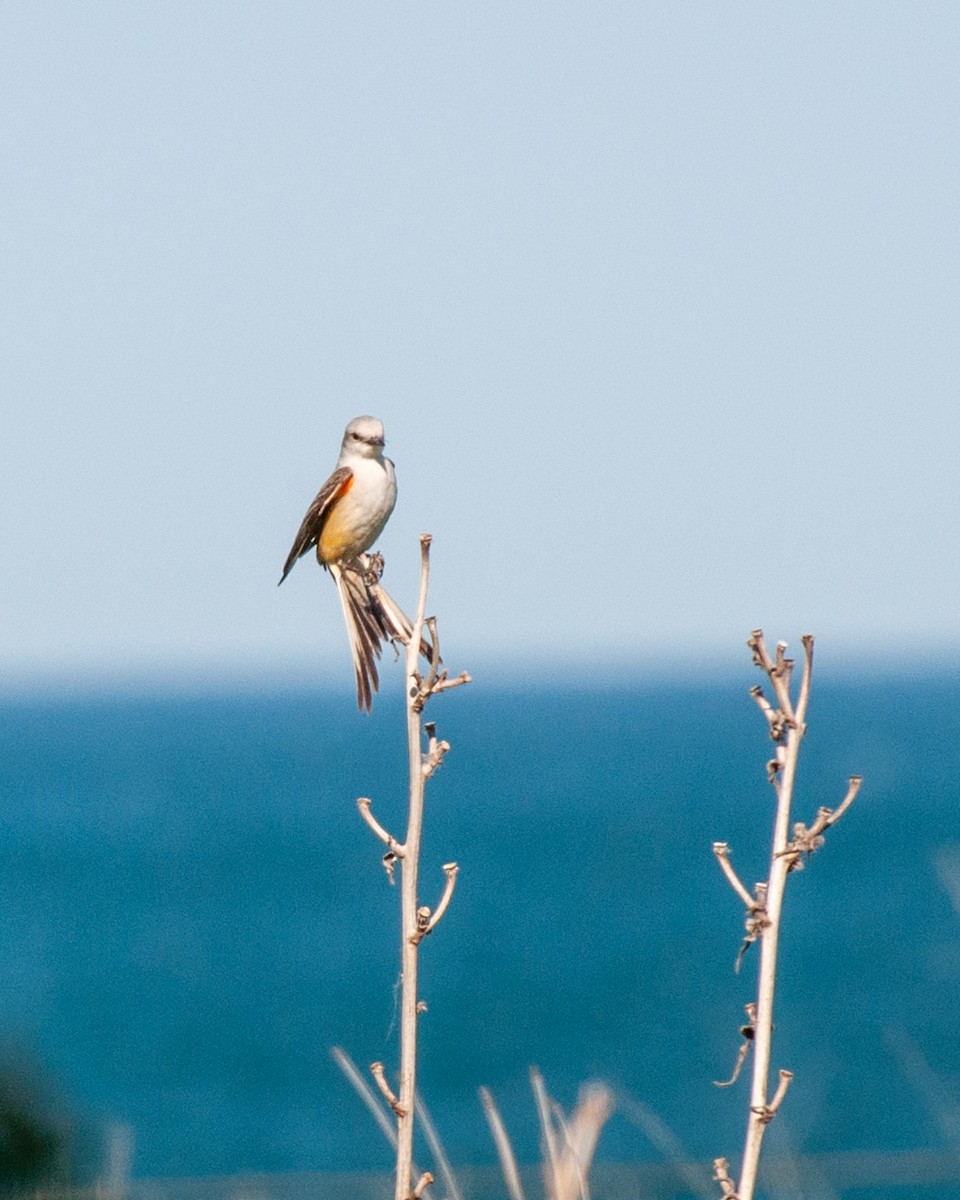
<point>421,1185</point>
<point>418,693</point>
<point>437,680</point>
<point>742,1053</point>
<point>366,1094</point>
<point>756,922</point>
<point>747,1032</point>
<point>435,658</point>
<point>777,671</point>
<point>721,1173</point>
<point>427,685</point>
<point>444,684</point>
<point>807,640</point>
<point>773,715</point>
<point>806,839</point>
<point>436,750</point>
<point>378,1071</point>
<point>569,1145</point>
<point>562,1131</point>
<point>395,848</point>
<point>827,817</point>
<point>853,790</point>
<point>766,1112</point>
<point>427,921</point>
<point>786,1078</point>
<point>722,852</point>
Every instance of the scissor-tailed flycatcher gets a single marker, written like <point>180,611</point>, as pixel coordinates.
<point>345,519</point>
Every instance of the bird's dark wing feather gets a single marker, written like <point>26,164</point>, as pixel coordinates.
<point>313,522</point>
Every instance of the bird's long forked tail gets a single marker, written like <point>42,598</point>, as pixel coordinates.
<point>372,617</point>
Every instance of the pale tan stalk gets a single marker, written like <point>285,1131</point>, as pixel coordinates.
<point>409,867</point>
<point>787,724</point>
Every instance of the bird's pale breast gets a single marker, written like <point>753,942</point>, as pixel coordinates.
<point>358,516</point>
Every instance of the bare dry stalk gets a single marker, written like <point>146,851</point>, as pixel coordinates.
<point>409,868</point>
<point>416,920</point>
<point>787,724</point>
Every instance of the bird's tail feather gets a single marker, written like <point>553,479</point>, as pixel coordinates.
<point>372,617</point>
<point>397,621</point>
<point>365,632</point>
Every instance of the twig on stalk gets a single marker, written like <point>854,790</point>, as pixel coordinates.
<point>379,1073</point>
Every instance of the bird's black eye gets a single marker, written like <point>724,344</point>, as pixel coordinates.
<point>355,436</point>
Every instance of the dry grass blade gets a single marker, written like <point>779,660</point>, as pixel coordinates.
<point>551,1151</point>
<point>501,1139</point>
<point>440,1158</point>
<point>366,1093</point>
<point>581,1134</point>
<point>569,1145</point>
<point>697,1180</point>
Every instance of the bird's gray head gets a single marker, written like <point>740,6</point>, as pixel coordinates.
<point>364,435</point>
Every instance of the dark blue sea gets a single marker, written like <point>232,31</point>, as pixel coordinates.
<point>192,914</point>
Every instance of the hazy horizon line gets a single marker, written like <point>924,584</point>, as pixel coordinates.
<point>601,671</point>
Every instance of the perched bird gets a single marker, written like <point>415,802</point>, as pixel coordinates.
<point>345,519</point>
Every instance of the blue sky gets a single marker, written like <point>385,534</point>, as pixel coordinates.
<point>658,303</point>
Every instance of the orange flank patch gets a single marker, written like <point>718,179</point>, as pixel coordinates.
<point>338,535</point>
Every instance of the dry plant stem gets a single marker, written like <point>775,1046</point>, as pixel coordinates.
<point>433,919</point>
<point>830,816</point>
<point>746,1032</point>
<point>722,852</point>
<point>551,1150</point>
<point>721,1173</point>
<point>409,864</point>
<point>378,1071</point>
<point>786,1078</point>
<point>422,1183</point>
<point>416,921</point>
<point>363,804</point>
<point>787,756</point>
<point>501,1139</point>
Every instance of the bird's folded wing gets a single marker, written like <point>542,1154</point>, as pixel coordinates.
<point>312,524</point>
